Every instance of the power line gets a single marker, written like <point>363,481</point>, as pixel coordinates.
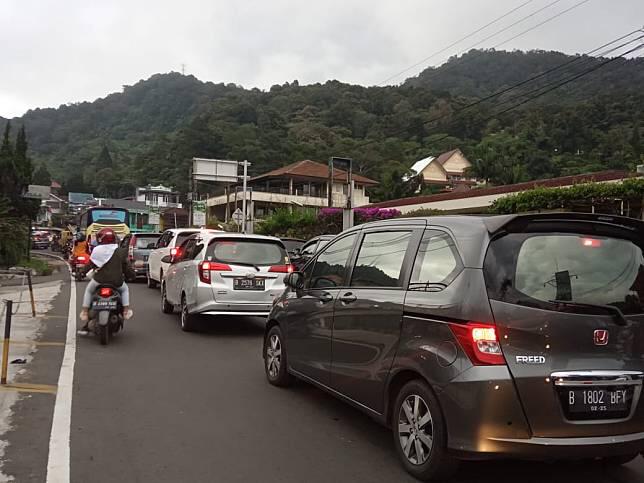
<point>455,43</point>
<point>515,86</point>
<point>579,4</point>
<point>458,62</point>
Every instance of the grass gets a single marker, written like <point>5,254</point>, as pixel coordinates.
<point>38,264</point>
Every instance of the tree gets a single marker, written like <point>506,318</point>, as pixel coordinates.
<point>104,159</point>
<point>42,176</point>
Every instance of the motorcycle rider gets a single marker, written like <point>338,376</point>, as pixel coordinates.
<point>111,266</point>
<point>80,245</point>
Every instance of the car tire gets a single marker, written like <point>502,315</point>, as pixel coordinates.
<point>275,359</point>
<point>151,283</point>
<point>187,320</point>
<point>166,307</point>
<point>420,438</point>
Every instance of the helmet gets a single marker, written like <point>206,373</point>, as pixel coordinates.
<point>106,236</point>
<point>80,236</point>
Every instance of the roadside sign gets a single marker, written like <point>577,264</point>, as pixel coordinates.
<point>153,216</point>
<point>238,216</point>
<point>198,213</point>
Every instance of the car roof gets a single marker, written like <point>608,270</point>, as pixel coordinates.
<point>179,231</point>
<point>211,235</point>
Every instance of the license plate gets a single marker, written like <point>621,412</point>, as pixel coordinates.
<point>248,284</point>
<point>104,304</point>
<point>598,403</point>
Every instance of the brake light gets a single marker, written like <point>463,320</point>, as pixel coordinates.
<point>105,292</point>
<point>206,267</point>
<point>591,242</point>
<point>81,258</point>
<point>174,252</point>
<point>480,342</point>
<point>282,268</point>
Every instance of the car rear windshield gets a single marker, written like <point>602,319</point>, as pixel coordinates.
<point>144,241</point>
<point>538,268</point>
<point>183,237</point>
<point>291,245</point>
<point>247,252</point>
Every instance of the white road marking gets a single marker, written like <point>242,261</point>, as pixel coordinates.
<point>58,464</point>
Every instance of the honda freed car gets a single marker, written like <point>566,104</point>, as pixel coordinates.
<point>476,337</point>
<point>225,274</point>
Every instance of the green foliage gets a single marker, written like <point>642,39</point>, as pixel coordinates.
<point>555,198</point>
<point>13,235</point>
<point>286,223</point>
<point>420,212</point>
<point>38,264</point>
<point>42,176</point>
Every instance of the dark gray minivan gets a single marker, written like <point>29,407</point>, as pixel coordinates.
<point>476,337</point>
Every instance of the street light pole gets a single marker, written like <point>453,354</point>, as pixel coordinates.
<point>245,164</point>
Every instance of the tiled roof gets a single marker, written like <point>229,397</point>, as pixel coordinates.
<point>313,170</point>
<point>442,158</point>
<point>509,188</point>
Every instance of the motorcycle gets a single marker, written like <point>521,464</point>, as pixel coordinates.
<point>78,265</point>
<point>67,249</point>
<point>106,313</point>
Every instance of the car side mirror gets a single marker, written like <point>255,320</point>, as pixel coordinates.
<point>294,280</point>
<point>152,246</point>
<point>167,259</point>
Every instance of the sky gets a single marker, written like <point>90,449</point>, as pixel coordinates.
<point>65,51</point>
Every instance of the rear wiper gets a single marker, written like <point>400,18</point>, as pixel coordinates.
<point>246,265</point>
<point>618,315</point>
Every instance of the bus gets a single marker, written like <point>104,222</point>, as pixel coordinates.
<point>94,219</point>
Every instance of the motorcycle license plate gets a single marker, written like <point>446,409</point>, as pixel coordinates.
<point>104,304</point>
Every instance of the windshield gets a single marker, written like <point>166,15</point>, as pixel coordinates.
<point>541,268</point>
<point>144,241</point>
<point>291,245</point>
<point>183,237</point>
<point>108,217</point>
<point>247,252</point>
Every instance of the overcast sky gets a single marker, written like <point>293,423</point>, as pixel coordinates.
<point>60,51</point>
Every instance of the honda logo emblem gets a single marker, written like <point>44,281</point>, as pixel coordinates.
<point>600,337</point>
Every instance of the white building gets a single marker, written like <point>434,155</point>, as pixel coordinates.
<point>447,170</point>
<point>158,196</point>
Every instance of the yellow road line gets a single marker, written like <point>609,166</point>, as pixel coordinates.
<point>25,387</point>
<point>36,343</point>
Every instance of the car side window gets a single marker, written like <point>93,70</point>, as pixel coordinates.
<point>437,262</point>
<point>309,250</point>
<point>380,259</point>
<point>163,241</point>
<point>186,249</point>
<point>330,267</point>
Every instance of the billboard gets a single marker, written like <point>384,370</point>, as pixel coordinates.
<point>219,170</point>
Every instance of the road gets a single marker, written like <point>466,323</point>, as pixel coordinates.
<point>162,405</point>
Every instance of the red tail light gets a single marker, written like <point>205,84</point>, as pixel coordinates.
<point>105,292</point>
<point>206,267</point>
<point>480,342</point>
<point>591,242</point>
<point>81,258</point>
<point>174,252</point>
<point>281,268</point>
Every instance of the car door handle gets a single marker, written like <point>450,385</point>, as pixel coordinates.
<point>348,298</point>
<point>325,297</point>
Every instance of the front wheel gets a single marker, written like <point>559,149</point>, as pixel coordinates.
<point>419,433</point>
<point>275,358</point>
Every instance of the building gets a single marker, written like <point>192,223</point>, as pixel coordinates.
<point>477,201</point>
<point>158,196</point>
<point>302,184</point>
<point>446,170</point>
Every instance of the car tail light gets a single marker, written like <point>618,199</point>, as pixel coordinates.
<point>81,258</point>
<point>480,342</point>
<point>105,292</point>
<point>206,267</point>
<point>175,252</point>
<point>281,268</point>
<point>591,242</point>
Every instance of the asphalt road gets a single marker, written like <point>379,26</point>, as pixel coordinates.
<point>162,405</point>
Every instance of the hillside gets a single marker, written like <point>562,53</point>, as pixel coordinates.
<point>154,127</point>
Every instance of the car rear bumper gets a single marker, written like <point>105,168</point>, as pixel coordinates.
<point>214,308</point>
<point>557,448</point>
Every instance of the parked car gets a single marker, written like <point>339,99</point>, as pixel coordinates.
<point>139,246</point>
<point>167,244</point>
<point>476,337</point>
<point>293,246</point>
<point>227,274</point>
<point>40,239</point>
<point>309,249</point>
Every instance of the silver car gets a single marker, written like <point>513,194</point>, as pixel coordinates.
<point>228,274</point>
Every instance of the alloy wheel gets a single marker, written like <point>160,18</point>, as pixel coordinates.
<point>415,429</point>
<point>274,356</point>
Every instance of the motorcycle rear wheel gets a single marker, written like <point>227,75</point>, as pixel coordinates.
<point>103,328</point>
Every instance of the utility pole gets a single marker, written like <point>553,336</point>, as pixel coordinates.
<point>245,164</point>
<point>183,69</point>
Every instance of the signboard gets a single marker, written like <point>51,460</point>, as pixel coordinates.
<point>220,170</point>
<point>153,216</point>
<point>238,216</point>
<point>37,192</point>
<point>199,213</point>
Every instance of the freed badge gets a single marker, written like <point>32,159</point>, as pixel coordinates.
<point>531,359</point>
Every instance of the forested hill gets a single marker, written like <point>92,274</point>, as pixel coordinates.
<point>149,132</point>
<point>479,73</point>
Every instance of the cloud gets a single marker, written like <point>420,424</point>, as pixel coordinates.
<point>56,52</point>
